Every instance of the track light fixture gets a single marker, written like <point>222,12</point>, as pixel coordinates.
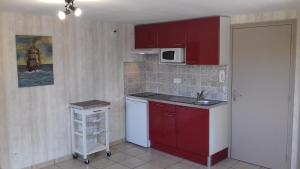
<point>68,8</point>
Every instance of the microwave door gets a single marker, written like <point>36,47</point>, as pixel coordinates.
<point>168,56</point>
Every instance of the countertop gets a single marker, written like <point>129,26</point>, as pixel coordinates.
<point>90,104</point>
<point>176,100</point>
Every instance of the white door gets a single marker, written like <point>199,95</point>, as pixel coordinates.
<point>260,107</point>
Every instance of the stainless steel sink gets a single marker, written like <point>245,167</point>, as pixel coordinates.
<point>204,101</point>
<point>207,102</point>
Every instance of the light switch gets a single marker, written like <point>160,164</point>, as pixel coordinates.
<point>177,80</point>
<point>222,76</point>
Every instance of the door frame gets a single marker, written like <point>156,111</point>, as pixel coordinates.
<point>293,23</point>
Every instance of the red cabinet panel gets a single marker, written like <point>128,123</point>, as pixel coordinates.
<point>162,119</point>
<point>146,36</point>
<point>193,130</point>
<point>172,35</point>
<point>203,41</point>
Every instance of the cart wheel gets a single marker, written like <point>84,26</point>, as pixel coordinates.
<point>75,156</point>
<point>87,161</point>
<point>108,154</point>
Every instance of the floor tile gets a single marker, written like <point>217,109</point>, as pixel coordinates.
<point>153,151</point>
<point>163,162</point>
<point>122,147</point>
<point>119,157</point>
<point>242,165</point>
<point>84,167</point>
<point>133,162</point>
<point>51,167</point>
<point>228,162</point>
<point>218,166</point>
<point>114,150</point>
<point>191,163</point>
<point>97,156</point>
<point>70,164</point>
<point>117,166</point>
<point>181,166</point>
<point>134,151</point>
<point>148,156</point>
<point>148,166</point>
<point>102,163</point>
<point>172,157</point>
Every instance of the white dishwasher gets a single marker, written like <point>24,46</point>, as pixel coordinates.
<point>137,121</point>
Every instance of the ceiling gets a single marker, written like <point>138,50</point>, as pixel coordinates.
<point>146,11</point>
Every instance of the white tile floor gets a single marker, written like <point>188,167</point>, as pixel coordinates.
<point>129,156</point>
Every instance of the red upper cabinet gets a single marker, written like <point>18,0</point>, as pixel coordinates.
<point>193,130</point>
<point>171,35</point>
<point>145,36</point>
<point>203,41</point>
<point>201,38</point>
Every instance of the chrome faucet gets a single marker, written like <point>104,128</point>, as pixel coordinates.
<point>201,95</point>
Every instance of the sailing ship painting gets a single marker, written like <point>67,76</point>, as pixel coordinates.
<point>34,60</point>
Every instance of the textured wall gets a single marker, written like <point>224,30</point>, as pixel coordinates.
<point>3,118</point>
<point>274,16</point>
<point>88,64</point>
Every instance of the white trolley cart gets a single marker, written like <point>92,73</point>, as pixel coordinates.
<point>89,128</point>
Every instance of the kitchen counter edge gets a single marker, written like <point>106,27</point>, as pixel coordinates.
<point>178,103</point>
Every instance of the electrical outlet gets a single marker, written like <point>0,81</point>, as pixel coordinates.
<point>177,80</point>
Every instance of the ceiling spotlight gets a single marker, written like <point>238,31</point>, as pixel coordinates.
<point>61,15</point>
<point>78,12</point>
<point>69,7</point>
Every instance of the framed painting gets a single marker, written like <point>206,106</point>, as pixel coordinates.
<point>34,60</point>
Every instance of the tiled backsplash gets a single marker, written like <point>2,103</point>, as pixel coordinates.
<point>135,77</point>
<point>151,76</point>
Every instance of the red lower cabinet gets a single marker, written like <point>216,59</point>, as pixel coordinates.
<point>163,124</point>
<point>193,130</point>
<point>182,131</point>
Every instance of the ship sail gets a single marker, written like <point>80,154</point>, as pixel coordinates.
<point>33,59</point>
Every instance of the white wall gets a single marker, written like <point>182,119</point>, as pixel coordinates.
<point>88,64</point>
<point>273,16</point>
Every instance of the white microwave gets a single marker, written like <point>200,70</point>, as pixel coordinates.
<point>172,55</point>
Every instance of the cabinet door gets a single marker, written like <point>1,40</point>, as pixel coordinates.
<point>162,124</point>
<point>203,41</point>
<point>172,35</point>
<point>155,123</point>
<point>193,130</point>
<point>145,36</point>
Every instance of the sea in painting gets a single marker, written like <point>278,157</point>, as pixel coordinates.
<point>34,60</point>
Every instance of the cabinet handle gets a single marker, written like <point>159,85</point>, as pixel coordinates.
<point>97,111</point>
<point>178,44</point>
<point>171,115</point>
